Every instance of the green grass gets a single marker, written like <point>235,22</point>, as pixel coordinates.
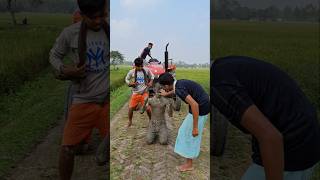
<point>24,50</point>
<point>31,100</point>
<point>118,98</point>
<point>200,76</point>
<point>120,92</point>
<point>117,76</point>
<point>294,47</point>
<point>26,117</point>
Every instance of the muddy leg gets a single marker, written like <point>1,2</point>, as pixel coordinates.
<point>151,135</point>
<point>163,135</point>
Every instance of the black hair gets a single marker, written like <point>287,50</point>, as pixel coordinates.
<point>150,44</point>
<point>90,7</point>
<point>166,79</point>
<point>138,61</point>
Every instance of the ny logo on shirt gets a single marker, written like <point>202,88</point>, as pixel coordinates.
<point>97,56</point>
<point>140,79</point>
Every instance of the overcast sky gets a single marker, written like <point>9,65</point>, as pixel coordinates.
<point>182,23</point>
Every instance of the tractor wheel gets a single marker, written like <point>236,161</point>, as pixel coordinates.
<point>177,103</point>
<point>219,128</point>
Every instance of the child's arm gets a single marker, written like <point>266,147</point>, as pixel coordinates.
<point>146,102</point>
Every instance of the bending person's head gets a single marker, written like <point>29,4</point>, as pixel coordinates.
<point>166,80</point>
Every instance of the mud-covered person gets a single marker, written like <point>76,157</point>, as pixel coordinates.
<point>190,132</point>
<point>139,79</point>
<point>87,42</point>
<point>262,100</point>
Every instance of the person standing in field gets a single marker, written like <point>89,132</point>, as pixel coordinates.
<point>146,52</point>
<point>262,100</point>
<point>190,132</point>
<point>88,44</point>
<point>143,78</point>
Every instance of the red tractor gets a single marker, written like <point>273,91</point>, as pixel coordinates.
<point>157,68</point>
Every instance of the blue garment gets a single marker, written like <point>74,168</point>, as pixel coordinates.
<point>187,145</point>
<point>256,172</point>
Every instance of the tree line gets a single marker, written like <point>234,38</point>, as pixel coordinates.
<point>232,9</point>
<point>117,58</point>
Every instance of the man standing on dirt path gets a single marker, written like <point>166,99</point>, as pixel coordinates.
<point>143,78</point>
<point>265,102</point>
<point>190,132</point>
<point>146,52</point>
<point>88,43</point>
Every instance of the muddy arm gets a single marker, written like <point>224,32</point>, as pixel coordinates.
<point>144,106</point>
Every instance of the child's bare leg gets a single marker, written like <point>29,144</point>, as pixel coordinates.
<point>186,166</point>
<point>130,115</point>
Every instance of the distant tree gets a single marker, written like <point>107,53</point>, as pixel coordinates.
<point>116,58</point>
<point>309,12</point>
<point>297,13</point>
<point>287,13</point>
<point>242,13</point>
<point>272,13</point>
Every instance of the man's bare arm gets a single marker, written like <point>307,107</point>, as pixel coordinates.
<point>195,113</point>
<point>269,139</point>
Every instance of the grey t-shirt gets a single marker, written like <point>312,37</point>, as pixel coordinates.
<point>141,87</point>
<point>95,86</point>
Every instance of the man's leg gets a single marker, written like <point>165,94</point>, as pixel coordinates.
<point>130,115</point>
<point>66,161</point>
<point>132,106</point>
<point>102,154</point>
<point>103,124</point>
<point>187,166</point>
<point>78,126</point>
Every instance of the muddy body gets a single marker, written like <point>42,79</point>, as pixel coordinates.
<point>158,123</point>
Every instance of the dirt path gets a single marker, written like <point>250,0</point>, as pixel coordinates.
<point>42,163</point>
<point>132,158</point>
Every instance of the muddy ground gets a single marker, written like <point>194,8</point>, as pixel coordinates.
<point>132,158</point>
